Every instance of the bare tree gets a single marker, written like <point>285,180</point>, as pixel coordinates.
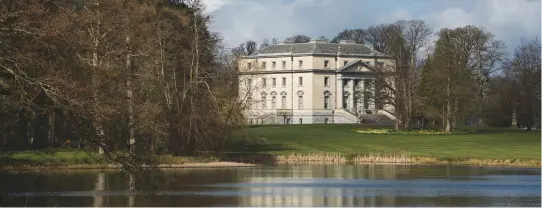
<point>357,35</point>
<point>299,39</point>
<point>264,44</point>
<point>523,71</point>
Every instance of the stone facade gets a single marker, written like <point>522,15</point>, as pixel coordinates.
<point>315,82</point>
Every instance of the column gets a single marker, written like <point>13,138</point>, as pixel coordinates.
<point>362,96</point>
<point>372,88</point>
<point>351,97</point>
<point>340,92</point>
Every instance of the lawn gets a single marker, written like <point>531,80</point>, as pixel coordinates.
<point>490,144</point>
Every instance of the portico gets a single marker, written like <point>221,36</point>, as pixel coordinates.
<point>350,94</point>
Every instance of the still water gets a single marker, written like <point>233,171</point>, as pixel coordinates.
<point>282,185</point>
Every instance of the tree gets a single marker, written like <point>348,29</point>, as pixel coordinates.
<point>357,35</point>
<point>265,44</point>
<point>523,72</point>
<point>299,39</point>
<point>142,76</point>
<point>453,63</point>
<point>488,53</point>
<point>324,38</point>
<point>402,40</point>
<point>498,112</point>
<point>245,49</point>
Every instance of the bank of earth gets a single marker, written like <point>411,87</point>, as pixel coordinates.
<point>335,144</point>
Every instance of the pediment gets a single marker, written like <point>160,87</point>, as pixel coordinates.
<point>357,66</point>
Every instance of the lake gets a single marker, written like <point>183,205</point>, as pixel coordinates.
<point>280,185</point>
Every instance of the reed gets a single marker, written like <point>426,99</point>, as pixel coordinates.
<point>394,156</point>
<point>311,157</point>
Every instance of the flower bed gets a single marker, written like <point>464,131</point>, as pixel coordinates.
<point>409,132</point>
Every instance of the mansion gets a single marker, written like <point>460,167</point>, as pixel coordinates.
<point>314,82</point>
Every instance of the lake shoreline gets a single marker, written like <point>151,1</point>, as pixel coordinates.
<point>320,158</point>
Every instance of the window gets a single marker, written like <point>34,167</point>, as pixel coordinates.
<point>264,82</point>
<point>249,101</point>
<point>283,102</point>
<point>249,82</point>
<point>274,82</point>
<point>284,81</point>
<point>273,65</point>
<point>300,102</point>
<point>300,121</point>
<point>345,62</point>
<point>326,101</point>
<point>264,102</point>
<point>263,65</point>
<point>326,81</point>
<point>326,64</point>
<point>326,120</point>
<point>300,64</point>
<point>345,82</point>
<point>274,102</point>
<point>283,64</point>
<point>249,65</point>
<point>300,81</point>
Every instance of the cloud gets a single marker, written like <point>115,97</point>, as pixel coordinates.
<point>241,20</point>
<point>213,5</point>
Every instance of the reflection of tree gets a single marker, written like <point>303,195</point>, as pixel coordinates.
<point>99,187</point>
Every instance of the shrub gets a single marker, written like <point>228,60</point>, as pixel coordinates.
<point>256,141</point>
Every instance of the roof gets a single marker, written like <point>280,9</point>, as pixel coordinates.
<point>318,47</point>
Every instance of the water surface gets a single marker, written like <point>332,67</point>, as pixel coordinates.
<point>283,185</point>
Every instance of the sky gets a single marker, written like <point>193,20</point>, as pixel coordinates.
<point>241,20</point>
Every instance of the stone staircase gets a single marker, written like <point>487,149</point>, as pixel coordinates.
<point>344,116</point>
<point>269,118</point>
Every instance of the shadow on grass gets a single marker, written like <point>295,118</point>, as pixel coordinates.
<point>257,153</point>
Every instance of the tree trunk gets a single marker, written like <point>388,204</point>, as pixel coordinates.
<point>514,118</point>
<point>30,131</point>
<point>448,127</point>
<point>448,107</point>
<point>480,108</point>
<point>51,135</point>
<point>129,96</point>
<point>97,123</point>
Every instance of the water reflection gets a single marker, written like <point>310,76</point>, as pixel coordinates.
<point>285,185</point>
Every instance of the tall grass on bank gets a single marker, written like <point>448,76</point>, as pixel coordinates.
<point>395,156</point>
<point>321,157</point>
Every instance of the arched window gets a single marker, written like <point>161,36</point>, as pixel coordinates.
<point>264,101</point>
<point>327,103</point>
<point>283,100</point>
<point>300,100</point>
<point>273,100</point>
